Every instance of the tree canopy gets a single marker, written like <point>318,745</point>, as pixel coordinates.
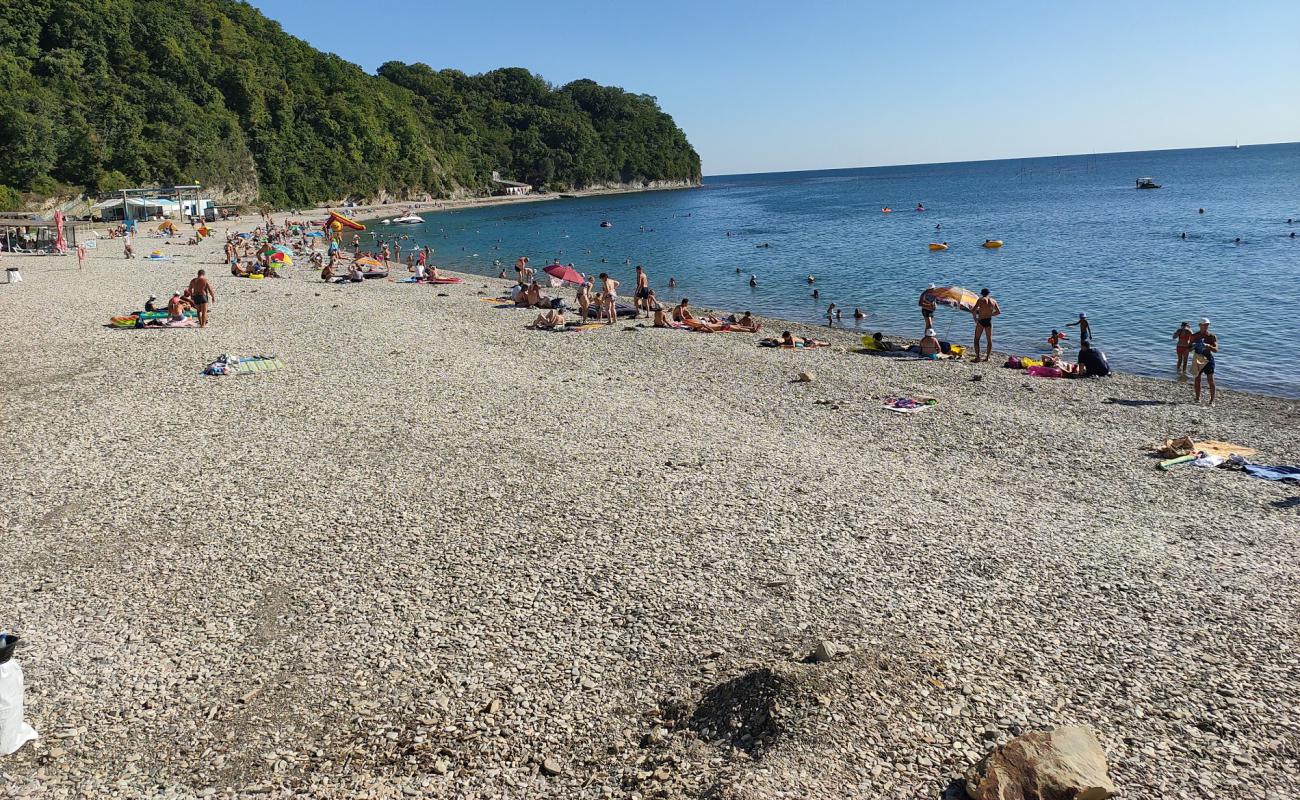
<point>108,93</point>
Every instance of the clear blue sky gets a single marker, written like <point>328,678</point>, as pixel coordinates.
<point>767,86</point>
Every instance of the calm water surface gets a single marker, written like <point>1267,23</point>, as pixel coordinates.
<point>1079,238</point>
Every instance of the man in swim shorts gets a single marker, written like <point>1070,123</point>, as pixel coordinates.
<point>1205,345</point>
<point>1184,338</point>
<point>641,298</point>
<point>986,308</point>
<point>927,309</point>
<point>202,295</point>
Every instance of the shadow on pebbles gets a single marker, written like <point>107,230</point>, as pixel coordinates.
<point>797,727</point>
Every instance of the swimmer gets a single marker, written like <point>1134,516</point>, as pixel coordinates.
<point>1184,236</point>
<point>830,315</point>
<point>812,279</point>
<point>753,281</point>
<point>737,270</point>
<point>1200,211</point>
<point>1237,240</point>
<point>857,314</point>
<point>672,283</point>
<point>816,294</point>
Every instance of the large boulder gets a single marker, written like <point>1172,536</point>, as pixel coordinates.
<point>1063,764</point>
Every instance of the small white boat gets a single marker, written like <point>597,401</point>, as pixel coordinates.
<point>409,219</point>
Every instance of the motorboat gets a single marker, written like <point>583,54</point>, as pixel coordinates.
<point>1147,183</point>
<point>606,224</point>
<point>409,219</point>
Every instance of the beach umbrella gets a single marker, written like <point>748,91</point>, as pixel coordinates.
<point>315,234</point>
<point>282,248</point>
<point>367,261</point>
<point>566,274</point>
<point>950,296</point>
<point>281,258</point>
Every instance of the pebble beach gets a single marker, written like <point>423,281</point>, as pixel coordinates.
<point>439,555</point>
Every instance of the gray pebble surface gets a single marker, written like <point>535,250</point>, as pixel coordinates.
<point>439,555</point>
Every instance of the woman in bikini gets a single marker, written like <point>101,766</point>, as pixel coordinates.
<point>609,297</point>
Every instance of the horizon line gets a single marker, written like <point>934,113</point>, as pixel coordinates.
<point>990,160</point>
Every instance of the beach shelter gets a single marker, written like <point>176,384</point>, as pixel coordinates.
<point>950,296</point>
<point>167,227</point>
<point>565,273</point>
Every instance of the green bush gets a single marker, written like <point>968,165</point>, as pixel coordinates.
<point>112,93</point>
<point>10,199</point>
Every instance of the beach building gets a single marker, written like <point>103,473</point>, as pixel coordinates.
<point>508,188</point>
<point>154,203</point>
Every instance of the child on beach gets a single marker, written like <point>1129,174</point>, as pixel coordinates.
<point>1184,338</point>
<point>1085,330</point>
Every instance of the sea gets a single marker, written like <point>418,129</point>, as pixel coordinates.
<point>1214,241</point>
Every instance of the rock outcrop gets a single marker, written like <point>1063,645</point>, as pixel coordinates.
<point>1063,764</point>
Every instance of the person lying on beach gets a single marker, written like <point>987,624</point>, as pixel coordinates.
<point>550,320</point>
<point>788,339</point>
<point>881,344</point>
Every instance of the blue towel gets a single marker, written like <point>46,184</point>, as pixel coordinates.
<point>1273,473</point>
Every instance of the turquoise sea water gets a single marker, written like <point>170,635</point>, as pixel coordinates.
<point>1079,238</point>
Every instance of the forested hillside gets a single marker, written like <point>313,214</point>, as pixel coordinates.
<point>106,93</point>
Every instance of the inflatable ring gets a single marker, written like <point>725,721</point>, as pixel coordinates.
<point>937,246</point>
<point>992,244</point>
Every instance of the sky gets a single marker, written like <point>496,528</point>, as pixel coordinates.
<point>765,86</point>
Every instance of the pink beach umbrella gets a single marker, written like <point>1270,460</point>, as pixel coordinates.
<point>566,274</point>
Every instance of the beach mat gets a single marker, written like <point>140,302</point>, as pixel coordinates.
<point>909,405</point>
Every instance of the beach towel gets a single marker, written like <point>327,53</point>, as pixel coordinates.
<point>909,405</point>
<point>1264,472</point>
<point>246,365</point>
<point>1224,449</point>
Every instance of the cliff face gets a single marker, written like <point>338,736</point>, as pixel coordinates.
<point>106,93</point>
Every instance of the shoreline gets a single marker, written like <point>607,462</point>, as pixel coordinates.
<point>555,563</point>
<point>369,212</point>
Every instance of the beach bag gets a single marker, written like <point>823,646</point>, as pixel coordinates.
<point>14,732</point>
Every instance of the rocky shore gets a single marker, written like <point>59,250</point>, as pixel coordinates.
<point>439,555</point>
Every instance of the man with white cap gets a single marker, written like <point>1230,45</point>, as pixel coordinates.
<point>1204,345</point>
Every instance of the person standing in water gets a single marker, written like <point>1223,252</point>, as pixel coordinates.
<point>1085,330</point>
<point>985,309</point>
<point>1205,345</point>
<point>1184,338</point>
<point>830,315</point>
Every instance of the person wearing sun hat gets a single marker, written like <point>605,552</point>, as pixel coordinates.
<point>930,344</point>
